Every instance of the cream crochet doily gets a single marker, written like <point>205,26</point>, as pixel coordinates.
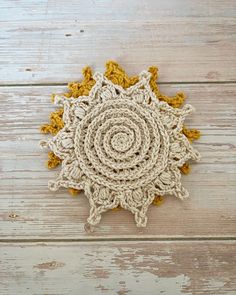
<point>122,147</point>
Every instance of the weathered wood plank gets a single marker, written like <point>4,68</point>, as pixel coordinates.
<point>29,210</point>
<point>119,268</point>
<point>34,10</point>
<point>49,42</point>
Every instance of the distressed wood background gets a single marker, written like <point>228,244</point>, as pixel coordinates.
<point>188,247</point>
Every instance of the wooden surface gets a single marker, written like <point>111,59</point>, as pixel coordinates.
<point>188,247</point>
<point>135,268</point>
<point>44,214</point>
<point>49,41</point>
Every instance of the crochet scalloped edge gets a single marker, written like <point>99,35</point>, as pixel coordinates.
<point>115,73</point>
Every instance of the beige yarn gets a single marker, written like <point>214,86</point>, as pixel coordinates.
<point>122,147</point>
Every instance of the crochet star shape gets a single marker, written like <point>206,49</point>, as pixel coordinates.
<point>122,147</point>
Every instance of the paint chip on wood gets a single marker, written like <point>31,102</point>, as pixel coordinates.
<point>49,265</point>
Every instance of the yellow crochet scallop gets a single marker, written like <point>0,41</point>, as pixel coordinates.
<point>175,101</point>
<point>185,169</point>
<point>117,208</point>
<point>77,89</point>
<point>56,123</point>
<point>158,200</point>
<point>191,134</point>
<point>117,75</point>
<point>74,192</point>
<point>53,160</point>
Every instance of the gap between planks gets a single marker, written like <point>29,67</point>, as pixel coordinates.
<point>128,239</point>
<point>159,83</point>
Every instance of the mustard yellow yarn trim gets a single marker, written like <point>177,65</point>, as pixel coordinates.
<point>117,75</point>
<point>117,208</point>
<point>175,101</point>
<point>158,201</point>
<point>77,89</point>
<point>191,134</point>
<point>56,123</point>
<point>74,192</point>
<point>53,160</point>
<point>185,169</point>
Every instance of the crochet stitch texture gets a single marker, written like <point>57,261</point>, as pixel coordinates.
<point>122,146</point>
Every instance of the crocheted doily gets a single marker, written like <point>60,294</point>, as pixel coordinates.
<point>123,147</point>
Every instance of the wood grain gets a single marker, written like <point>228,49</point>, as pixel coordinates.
<point>29,210</point>
<point>45,246</point>
<point>137,268</point>
<point>33,10</point>
<point>49,42</point>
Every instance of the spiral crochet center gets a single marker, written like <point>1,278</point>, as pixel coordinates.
<point>121,141</point>
<point>122,144</point>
